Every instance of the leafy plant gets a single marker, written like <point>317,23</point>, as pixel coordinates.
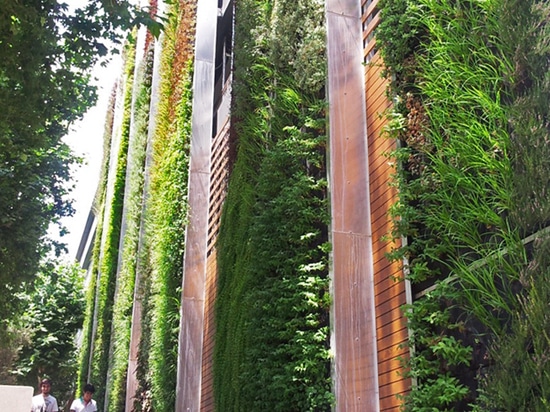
<point>109,246</point>
<point>54,311</point>
<point>455,186</point>
<point>131,222</point>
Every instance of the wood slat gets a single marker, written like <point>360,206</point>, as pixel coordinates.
<point>375,114</point>
<point>374,80</point>
<point>391,326</point>
<point>392,383</point>
<point>207,395</point>
<point>387,313</point>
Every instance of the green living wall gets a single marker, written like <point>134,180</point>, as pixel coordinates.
<point>167,213</point>
<point>141,211</point>
<point>99,199</point>
<point>272,339</point>
<point>470,86</point>
<point>130,236</point>
<point>105,259</point>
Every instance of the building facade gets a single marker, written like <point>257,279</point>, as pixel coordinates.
<point>193,87</point>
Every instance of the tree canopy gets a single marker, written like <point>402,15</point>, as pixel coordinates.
<point>53,313</point>
<point>46,57</point>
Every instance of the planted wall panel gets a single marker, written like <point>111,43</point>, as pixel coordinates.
<point>109,238</point>
<point>271,345</point>
<point>150,245</point>
<point>131,229</point>
<point>459,81</point>
<point>157,361</point>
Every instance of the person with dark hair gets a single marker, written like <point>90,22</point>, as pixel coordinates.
<point>85,403</point>
<point>44,402</point>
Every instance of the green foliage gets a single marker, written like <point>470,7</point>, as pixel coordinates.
<point>467,154</point>
<point>41,93</point>
<point>271,349</point>
<point>54,311</point>
<point>528,112</point>
<point>519,379</point>
<point>166,219</point>
<point>132,218</point>
<point>110,239</point>
<point>235,224</point>
<point>398,52</point>
<point>469,91</point>
<point>439,354</point>
<point>286,321</point>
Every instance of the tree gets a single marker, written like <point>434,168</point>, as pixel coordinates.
<point>46,57</point>
<point>53,314</point>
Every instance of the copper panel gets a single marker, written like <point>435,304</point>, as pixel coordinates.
<point>354,332</point>
<point>190,348</point>
<point>203,86</point>
<point>354,336</point>
<point>343,7</point>
<point>190,356</point>
<point>194,276</point>
<point>193,294</point>
<point>348,150</point>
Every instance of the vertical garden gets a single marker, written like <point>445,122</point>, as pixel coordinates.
<point>164,241</point>
<point>470,85</point>
<point>141,211</point>
<point>272,338</point>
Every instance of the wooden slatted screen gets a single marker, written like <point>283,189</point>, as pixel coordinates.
<point>391,328</point>
<point>207,395</point>
<point>219,174</point>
